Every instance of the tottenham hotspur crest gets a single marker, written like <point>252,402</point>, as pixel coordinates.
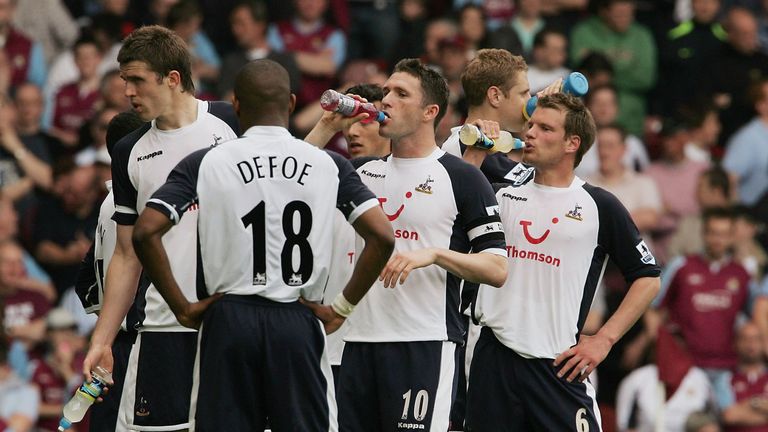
<point>575,214</point>
<point>425,187</point>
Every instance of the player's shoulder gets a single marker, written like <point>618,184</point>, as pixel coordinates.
<point>126,144</point>
<point>225,112</point>
<point>604,201</point>
<point>459,168</point>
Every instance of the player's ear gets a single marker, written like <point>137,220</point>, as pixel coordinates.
<point>493,95</point>
<point>292,104</point>
<point>236,105</point>
<point>572,144</point>
<point>430,112</point>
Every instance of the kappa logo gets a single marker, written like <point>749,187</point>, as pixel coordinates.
<point>425,187</point>
<point>149,156</point>
<point>400,209</point>
<point>575,214</point>
<point>513,197</point>
<point>535,240</point>
<point>372,174</point>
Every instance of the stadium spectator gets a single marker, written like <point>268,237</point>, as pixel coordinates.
<point>527,22</point>
<point>24,307</point>
<point>661,396</point>
<point>497,13</point>
<point>742,394</point>
<point>112,92</point>
<point>747,153</point>
<point>56,375</point>
<point>65,224</point>
<point>248,23</point>
<point>75,102</point>
<point>742,66</point>
<point>603,103</point>
<point>703,294</point>
<point>550,51</point>
<point>413,27</point>
<point>374,26</point>
<point>637,192</point>
<point>472,28</point>
<point>185,19</point>
<point>686,52</point>
<point>713,190</point>
<point>746,249</point>
<point>597,68</point>
<point>23,56</point>
<point>19,401</point>
<point>677,179</point>
<point>24,156</point>
<point>47,22</point>
<point>318,47</point>
<point>703,124</point>
<point>630,48</point>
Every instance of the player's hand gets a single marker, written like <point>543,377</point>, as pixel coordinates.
<point>402,263</point>
<point>98,355</point>
<point>335,122</point>
<point>583,358</point>
<point>553,88</point>
<point>330,319</point>
<point>490,128</point>
<point>193,313</point>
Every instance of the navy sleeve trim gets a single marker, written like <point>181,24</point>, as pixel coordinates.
<point>226,112</point>
<point>125,191</point>
<point>180,190</point>
<point>353,197</point>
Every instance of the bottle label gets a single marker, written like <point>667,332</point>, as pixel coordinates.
<point>346,106</point>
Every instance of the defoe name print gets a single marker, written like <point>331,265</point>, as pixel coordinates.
<point>268,167</point>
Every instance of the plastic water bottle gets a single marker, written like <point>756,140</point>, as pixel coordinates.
<point>575,83</point>
<point>331,100</point>
<point>84,397</point>
<point>471,135</point>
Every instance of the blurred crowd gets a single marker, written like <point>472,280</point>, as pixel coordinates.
<point>678,89</point>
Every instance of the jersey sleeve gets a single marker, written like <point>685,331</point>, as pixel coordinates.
<point>621,238</point>
<point>125,191</point>
<point>477,205</point>
<point>226,113</point>
<point>353,198</point>
<point>180,190</point>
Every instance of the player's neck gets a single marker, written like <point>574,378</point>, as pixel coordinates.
<point>417,145</point>
<point>560,176</point>
<point>181,112</point>
<point>483,112</point>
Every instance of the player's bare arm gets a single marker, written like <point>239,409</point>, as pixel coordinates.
<point>120,286</point>
<point>374,227</point>
<point>590,351</point>
<point>147,241</point>
<point>485,268</point>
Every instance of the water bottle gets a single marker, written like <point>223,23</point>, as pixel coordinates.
<point>575,83</point>
<point>331,100</point>
<point>84,397</point>
<point>471,135</point>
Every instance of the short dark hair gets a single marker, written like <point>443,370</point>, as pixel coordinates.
<point>162,50</point>
<point>371,92</point>
<point>717,178</point>
<point>491,67</point>
<point>742,212</point>
<point>716,213</point>
<point>182,12</point>
<point>541,37</point>
<point>121,125</point>
<point>618,128</point>
<point>257,9</point>
<point>85,40</point>
<point>578,120</point>
<point>594,63</point>
<point>597,89</point>
<point>695,114</point>
<point>433,85</point>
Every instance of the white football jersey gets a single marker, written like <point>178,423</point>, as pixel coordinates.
<point>559,241</point>
<point>141,163</point>
<point>343,259</point>
<point>266,207</point>
<point>453,145</point>
<point>436,201</point>
<point>90,279</point>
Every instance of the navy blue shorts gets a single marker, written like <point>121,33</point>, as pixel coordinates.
<point>396,386</point>
<point>158,382</point>
<point>509,393</point>
<point>261,359</point>
<point>104,415</point>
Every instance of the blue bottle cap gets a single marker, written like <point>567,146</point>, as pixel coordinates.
<point>576,84</point>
